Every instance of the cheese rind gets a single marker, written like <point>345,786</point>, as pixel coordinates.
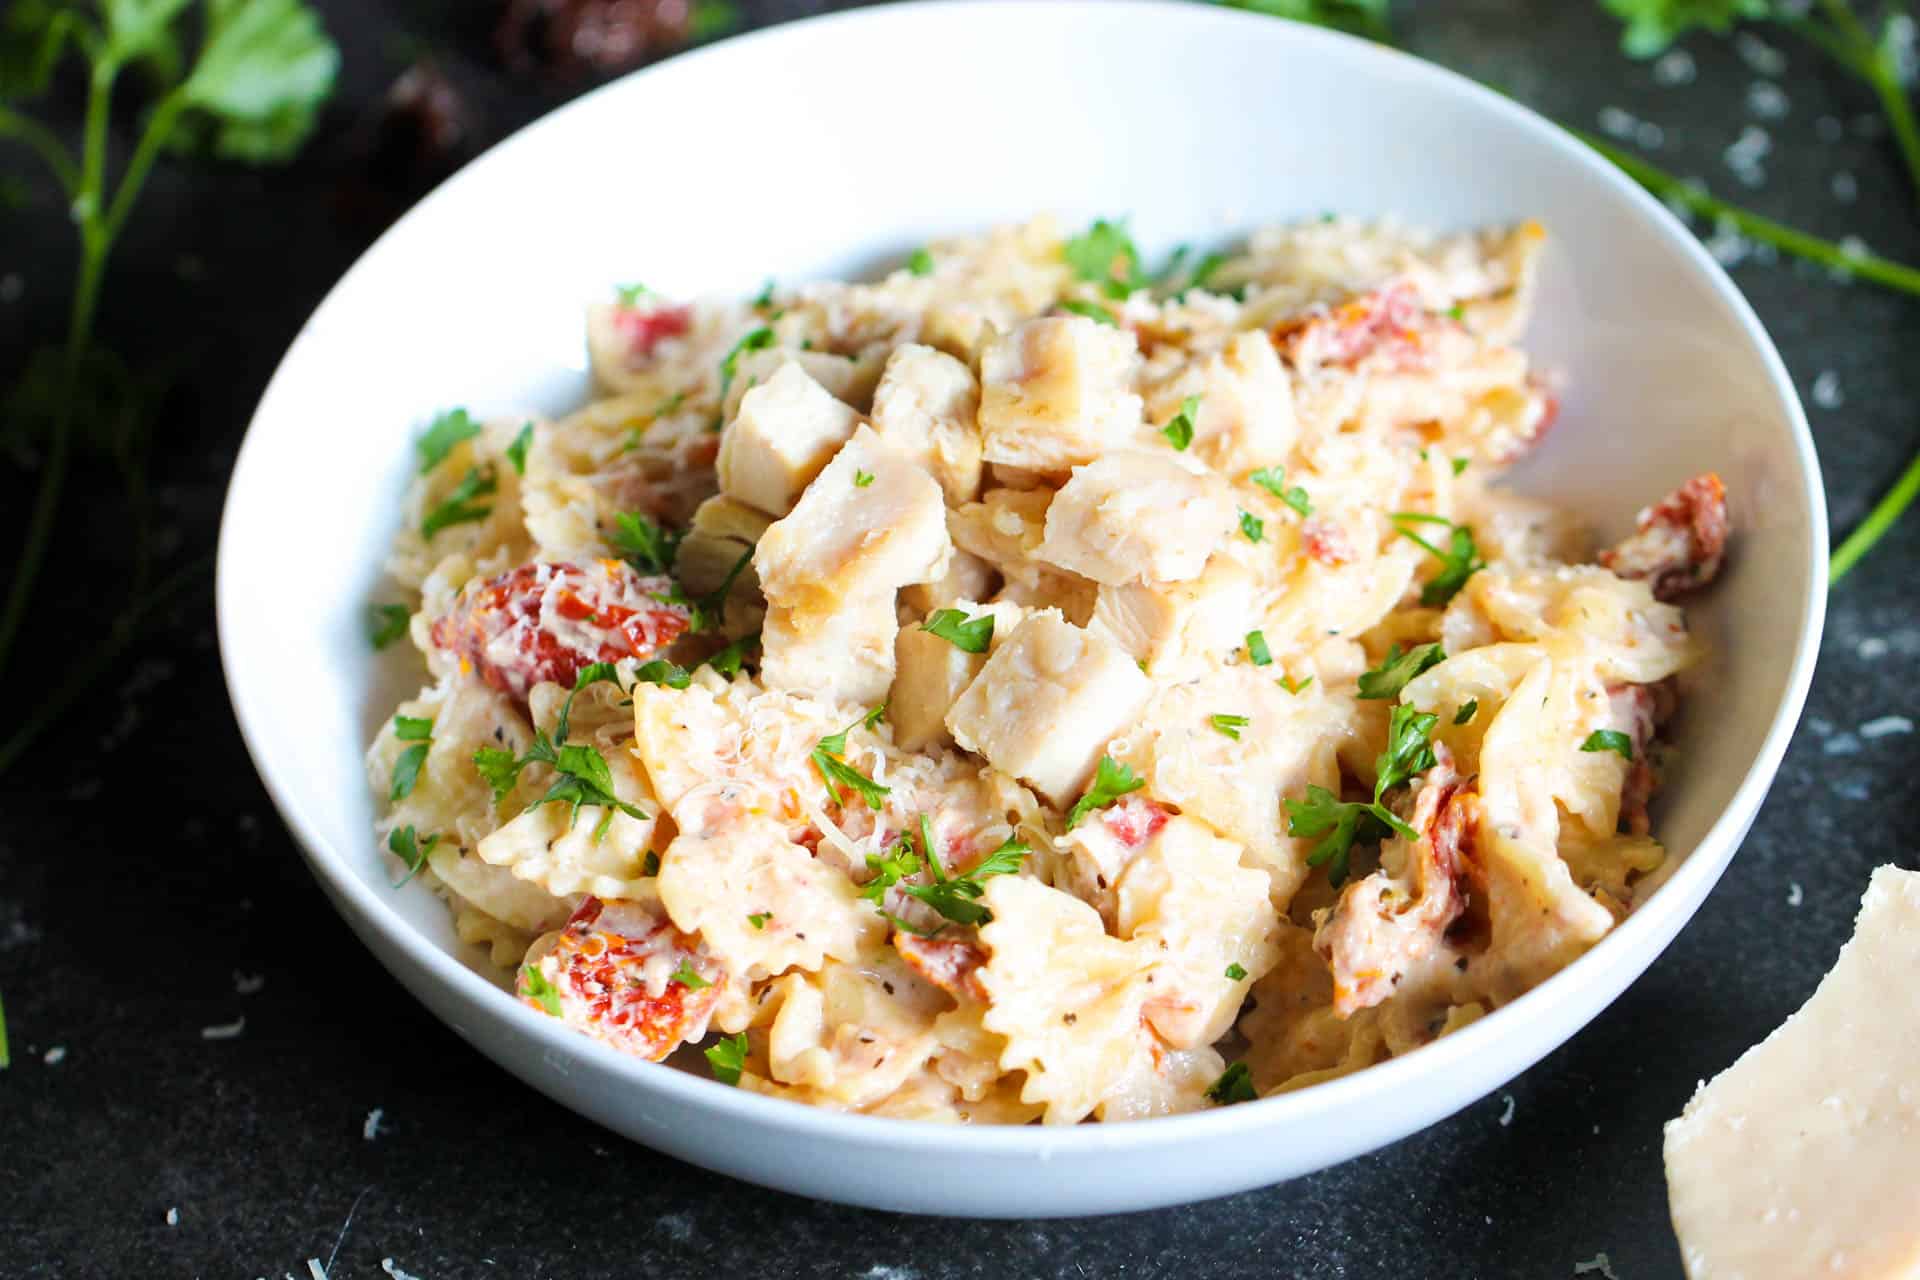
<point>1803,1158</point>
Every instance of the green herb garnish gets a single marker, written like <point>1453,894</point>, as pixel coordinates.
<point>1467,710</point>
<point>1257,649</point>
<point>405,845</point>
<point>1091,310</point>
<point>920,262</point>
<point>969,635</point>
<point>1253,527</point>
<point>1111,780</point>
<point>1231,725</point>
<point>1274,481</point>
<point>1393,674</point>
<point>1609,740</point>
<point>459,506</point>
<point>1339,822</point>
<point>448,430</point>
<point>1460,561</point>
<point>1234,1085</point>
<point>728,1058</point>
<point>535,987</point>
<point>386,623</point>
<point>517,451</point>
<point>1179,429</point>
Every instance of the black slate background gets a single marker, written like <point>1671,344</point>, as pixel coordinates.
<point>141,866</point>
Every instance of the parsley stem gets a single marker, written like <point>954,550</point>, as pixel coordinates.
<point>188,578</point>
<point>1848,43</point>
<point>1868,266</point>
<point>1869,531</point>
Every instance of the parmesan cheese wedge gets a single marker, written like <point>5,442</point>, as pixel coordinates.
<point>1802,1159</point>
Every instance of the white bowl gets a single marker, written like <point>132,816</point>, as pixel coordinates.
<point>834,144</point>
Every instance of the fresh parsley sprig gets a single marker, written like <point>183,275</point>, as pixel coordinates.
<point>837,773</point>
<point>386,623</point>
<point>535,987</point>
<point>1111,780</point>
<point>969,635</point>
<point>1179,428</point>
<point>1234,1085</point>
<point>418,732</point>
<point>644,544</point>
<point>1398,669</point>
<point>405,845</point>
<point>581,774</point>
<point>1340,823</point>
<point>1274,480</point>
<point>459,507</point>
<point>728,1058</point>
<point>954,898</point>
<point>1609,740</point>
<point>1460,561</point>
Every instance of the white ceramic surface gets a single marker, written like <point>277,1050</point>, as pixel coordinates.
<point>839,143</point>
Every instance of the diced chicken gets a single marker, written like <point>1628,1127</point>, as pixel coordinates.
<point>544,622</point>
<point>1134,516</point>
<point>1103,846</point>
<point>1046,704</point>
<point>845,656</point>
<point>617,972</point>
<point>1246,417</point>
<point>1171,626</point>
<point>1057,392</point>
<point>926,409</point>
<point>930,674</point>
<point>1005,528</point>
<point>872,523</point>
<point>1385,925</point>
<point>1679,542</point>
<point>840,375</point>
<point>968,577</point>
<point>788,428</point>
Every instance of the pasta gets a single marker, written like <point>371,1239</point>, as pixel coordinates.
<point>1022,688</point>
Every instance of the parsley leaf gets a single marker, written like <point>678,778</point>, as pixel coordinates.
<point>386,623</point>
<point>969,635</point>
<point>1653,25</point>
<point>660,671</point>
<point>1179,429</point>
<point>406,846</point>
<point>1257,649</point>
<point>1274,481</point>
<point>499,768</point>
<point>758,340</point>
<point>920,262</point>
<point>644,544</point>
<point>1204,269</point>
<point>1393,674</point>
<point>1609,740</point>
<point>1234,1085</point>
<point>1104,254</point>
<point>1294,686</point>
<point>448,430</point>
<point>1091,310</point>
<point>1460,464</point>
<point>535,987</point>
<point>837,773</point>
<point>1460,561</point>
<point>1110,781</point>
<point>955,896</point>
<point>759,919</point>
<point>517,451</point>
<point>1340,823</point>
<point>728,1058</point>
<point>687,978</point>
<point>1253,527</point>
<point>861,479</point>
<point>1229,724</point>
<point>459,507</point>
<point>264,69</point>
<point>1236,972</point>
<point>630,294</point>
<point>585,780</point>
<point>727,661</point>
<point>1467,711</point>
<point>406,771</point>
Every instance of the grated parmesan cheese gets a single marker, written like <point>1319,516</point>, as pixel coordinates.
<point>225,1030</point>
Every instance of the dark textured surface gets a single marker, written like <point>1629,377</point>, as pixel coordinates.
<point>141,865</point>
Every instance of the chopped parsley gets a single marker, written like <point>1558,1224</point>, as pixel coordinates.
<point>1179,429</point>
<point>728,1057</point>
<point>687,978</point>
<point>707,612</point>
<point>1234,1085</point>
<point>1609,740</point>
<point>1460,464</point>
<point>459,506</point>
<point>660,671</point>
<point>758,340</point>
<point>386,623</point>
<point>1293,686</point>
<point>1340,823</point>
<point>1236,972</point>
<point>1467,711</point>
<point>1229,724</point>
<point>517,451</point>
<point>581,776</point>
<point>969,635</point>
<point>1456,312</point>
<point>535,987</point>
<point>630,294</point>
<point>645,545</point>
<point>405,845</point>
<point>727,661</point>
<point>920,262</point>
<point>650,865</point>
<point>1204,269</point>
<point>1460,561</point>
<point>1105,255</point>
<point>449,429</point>
<point>763,299</point>
<point>1274,481</point>
<point>1257,649</point>
<point>413,728</point>
<point>1393,674</point>
<point>837,773</point>
<point>1110,781</point>
<point>1253,527</point>
<point>759,919</point>
<point>1091,310</point>
<point>955,898</point>
<point>407,766</point>
<point>861,479</point>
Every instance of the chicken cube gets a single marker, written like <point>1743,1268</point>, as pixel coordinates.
<point>968,577</point>
<point>1175,628</point>
<point>1047,702</point>
<point>930,672</point>
<point>845,657</point>
<point>873,522</point>
<point>1246,415</point>
<point>926,408</point>
<point>1057,392</point>
<point>1135,516</point>
<point>840,375</point>
<point>788,429</point>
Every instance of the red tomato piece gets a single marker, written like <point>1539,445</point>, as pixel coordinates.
<point>620,973</point>
<point>1134,820</point>
<point>645,328</point>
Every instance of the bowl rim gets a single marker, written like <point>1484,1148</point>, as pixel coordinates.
<point>1651,924</point>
